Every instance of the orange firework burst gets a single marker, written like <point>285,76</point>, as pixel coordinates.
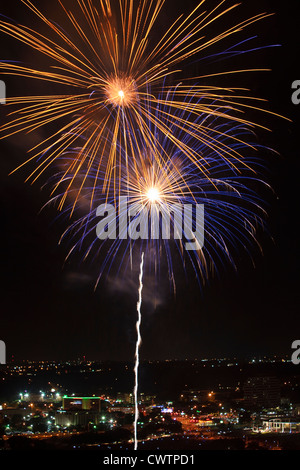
<point>119,74</point>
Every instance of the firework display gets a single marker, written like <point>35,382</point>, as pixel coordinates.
<point>115,77</point>
<point>234,210</point>
<point>131,143</point>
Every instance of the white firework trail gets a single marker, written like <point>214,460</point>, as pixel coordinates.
<point>137,358</point>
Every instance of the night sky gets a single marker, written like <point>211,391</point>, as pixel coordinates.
<point>49,309</point>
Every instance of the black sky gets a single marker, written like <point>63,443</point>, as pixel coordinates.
<point>49,308</point>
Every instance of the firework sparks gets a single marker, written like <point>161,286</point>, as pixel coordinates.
<point>137,357</point>
<point>110,63</point>
<point>160,176</point>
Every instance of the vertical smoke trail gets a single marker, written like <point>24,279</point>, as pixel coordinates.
<point>138,343</point>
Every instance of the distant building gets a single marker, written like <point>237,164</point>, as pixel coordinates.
<point>49,397</point>
<point>127,409</point>
<point>262,392</point>
<point>81,403</point>
<point>147,399</point>
<point>74,418</point>
<point>289,425</point>
<point>128,398</point>
<point>79,411</point>
<point>9,412</point>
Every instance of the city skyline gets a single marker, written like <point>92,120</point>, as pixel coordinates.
<point>196,405</point>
